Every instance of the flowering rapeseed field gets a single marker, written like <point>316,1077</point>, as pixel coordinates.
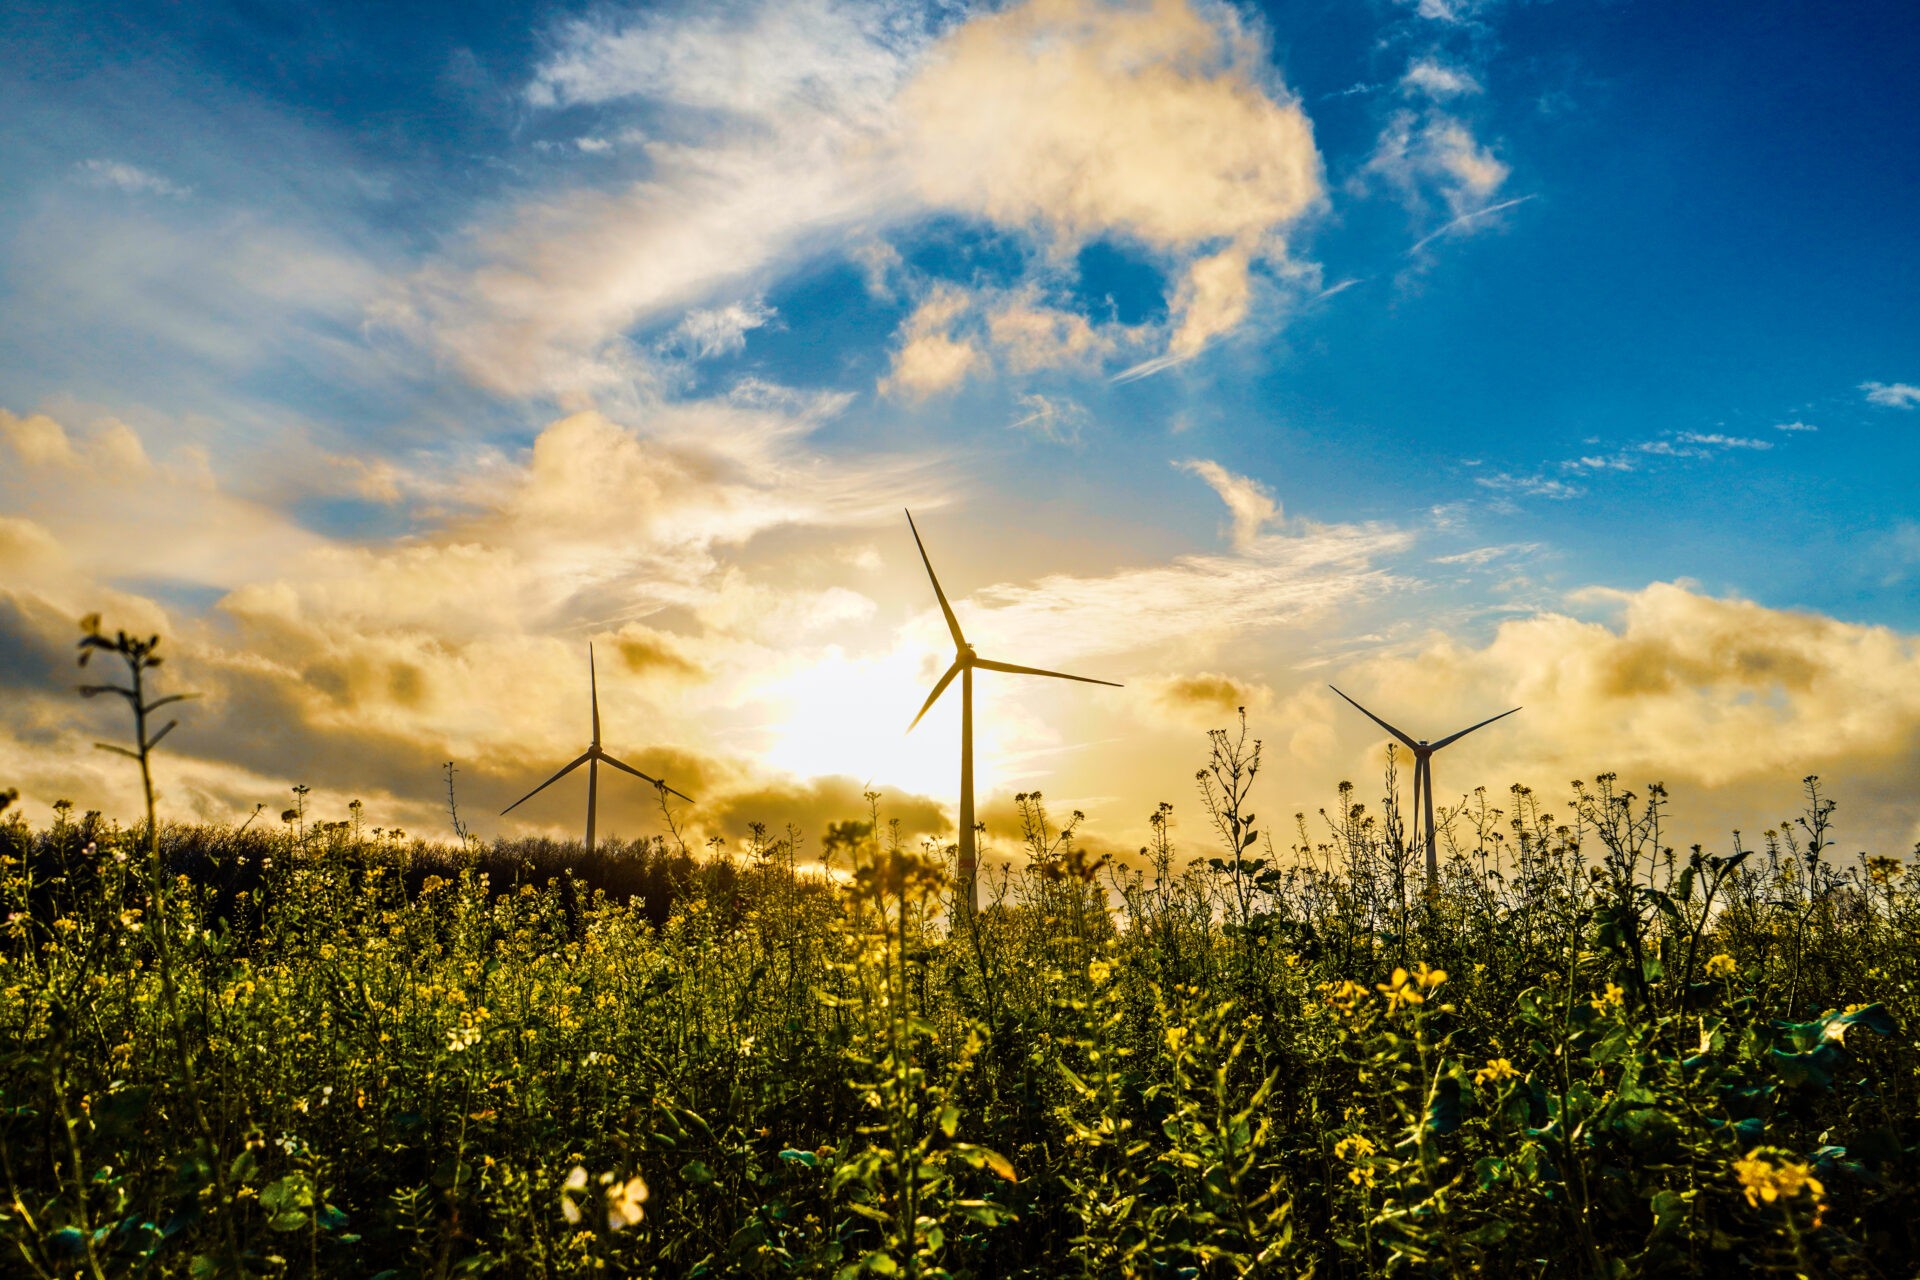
<point>322,1053</point>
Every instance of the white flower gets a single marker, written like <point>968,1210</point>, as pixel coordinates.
<point>576,1182</point>
<point>623,1203</point>
<point>463,1038</point>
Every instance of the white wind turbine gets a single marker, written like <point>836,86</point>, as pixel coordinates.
<point>592,758</point>
<point>1423,777</point>
<point>964,662</point>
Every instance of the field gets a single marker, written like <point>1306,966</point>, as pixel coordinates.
<point>1256,1049</point>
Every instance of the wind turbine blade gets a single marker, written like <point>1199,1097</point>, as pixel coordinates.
<point>584,757</point>
<point>1010,669</point>
<point>934,697</point>
<point>593,681</point>
<point>953,623</point>
<point>1411,745</point>
<point>621,764</point>
<point>1464,732</point>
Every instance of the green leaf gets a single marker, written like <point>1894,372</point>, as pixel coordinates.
<point>289,1194</point>
<point>1670,1209</point>
<point>984,1212</point>
<point>806,1158</point>
<point>1873,1017</point>
<point>978,1156</point>
<point>1812,1069</point>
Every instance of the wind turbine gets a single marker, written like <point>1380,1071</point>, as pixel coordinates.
<point>1423,777</point>
<point>592,758</point>
<point>964,661</point>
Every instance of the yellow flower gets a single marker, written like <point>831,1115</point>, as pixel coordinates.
<point>1496,1072</point>
<point>1344,996</point>
<point>1098,972</point>
<point>1353,1147</point>
<point>1400,989</point>
<point>1768,1182</point>
<point>1722,966</point>
<point>1176,1037</point>
<point>1611,1000</point>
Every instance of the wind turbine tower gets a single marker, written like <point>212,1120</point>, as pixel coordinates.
<point>1423,778</point>
<point>964,661</point>
<point>592,758</point>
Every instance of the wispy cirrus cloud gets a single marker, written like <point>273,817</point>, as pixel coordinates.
<point>1529,486</point>
<point>121,176</point>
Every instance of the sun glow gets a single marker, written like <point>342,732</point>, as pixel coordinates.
<point>848,714</point>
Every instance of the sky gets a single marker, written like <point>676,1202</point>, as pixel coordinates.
<point>1466,354</point>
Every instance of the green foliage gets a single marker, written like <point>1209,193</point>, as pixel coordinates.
<point>323,1051</point>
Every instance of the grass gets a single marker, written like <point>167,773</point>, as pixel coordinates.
<point>317,1052</point>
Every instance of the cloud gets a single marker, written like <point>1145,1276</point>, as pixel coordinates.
<point>1479,557</point>
<point>1426,153</point>
<point>1251,503</point>
<point>776,129</point>
<point>750,60</point>
<point>1892,395</point>
<point>1085,120</point>
<point>120,176</point>
<point>1682,446</point>
<point>1715,440</point>
<point>26,547</point>
<point>360,666</point>
<point>121,515</point>
<point>771,128</point>
<point>955,333</point>
<point>1470,218</point>
<point>879,262</point>
<point>1212,300</point>
<point>647,652</point>
<point>719,331</point>
<point>930,358</point>
<point>1090,119</point>
<point>1684,687</point>
<point>1292,579</point>
<point>1437,80</point>
<point>1449,12</point>
<point>1031,335</point>
<point>1534,486</point>
<point>1205,697</point>
<point>1794,426</point>
<point>1056,419</point>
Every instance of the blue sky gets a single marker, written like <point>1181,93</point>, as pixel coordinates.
<point>1467,351</point>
